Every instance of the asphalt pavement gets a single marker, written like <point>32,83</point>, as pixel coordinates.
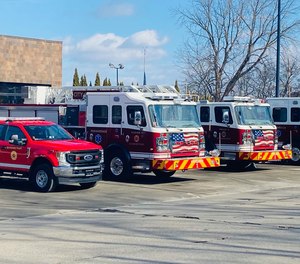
<point>205,216</point>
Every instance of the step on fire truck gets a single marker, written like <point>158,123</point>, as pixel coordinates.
<point>243,130</point>
<point>286,116</point>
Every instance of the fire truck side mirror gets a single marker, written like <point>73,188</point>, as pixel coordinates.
<point>225,119</point>
<point>137,118</point>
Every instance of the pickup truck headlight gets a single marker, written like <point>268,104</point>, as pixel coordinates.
<point>61,158</point>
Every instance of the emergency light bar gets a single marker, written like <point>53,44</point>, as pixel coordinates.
<point>238,99</point>
<point>7,119</point>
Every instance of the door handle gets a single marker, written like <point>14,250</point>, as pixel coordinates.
<point>3,147</point>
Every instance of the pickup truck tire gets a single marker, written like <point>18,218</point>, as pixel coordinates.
<point>42,178</point>
<point>163,173</point>
<point>117,166</point>
<point>87,185</point>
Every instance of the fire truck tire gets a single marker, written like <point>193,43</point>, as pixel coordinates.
<point>163,173</point>
<point>295,155</point>
<point>42,178</point>
<point>117,166</point>
<point>88,185</point>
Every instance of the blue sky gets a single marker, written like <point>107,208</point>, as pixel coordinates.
<point>98,32</point>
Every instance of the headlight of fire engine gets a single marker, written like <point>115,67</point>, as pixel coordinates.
<point>61,158</point>
<point>162,144</point>
<point>201,142</point>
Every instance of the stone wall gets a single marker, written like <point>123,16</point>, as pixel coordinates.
<point>33,61</point>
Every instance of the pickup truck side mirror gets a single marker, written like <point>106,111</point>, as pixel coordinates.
<point>14,140</point>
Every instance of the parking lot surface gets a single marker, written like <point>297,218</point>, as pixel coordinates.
<point>203,216</point>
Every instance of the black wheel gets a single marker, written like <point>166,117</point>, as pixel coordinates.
<point>42,178</point>
<point>163,173</point>
<point>241,165</point>
<point>295,155</point>
<point>87,185</point>
<point>117,166</point>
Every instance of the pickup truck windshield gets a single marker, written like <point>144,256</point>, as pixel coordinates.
<point>177,116</point>
<point>51,132</point>
<point>253,115</point>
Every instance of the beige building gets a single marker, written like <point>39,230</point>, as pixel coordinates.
<point>28,62</point>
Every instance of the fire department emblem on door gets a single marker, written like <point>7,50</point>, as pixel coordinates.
<point>13,155</point>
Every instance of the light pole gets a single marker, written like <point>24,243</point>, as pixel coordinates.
<point>278,50</point>
<point>119,67</point>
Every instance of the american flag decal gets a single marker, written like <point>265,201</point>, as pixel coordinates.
<point>263,137</point>
<point>184,142</point>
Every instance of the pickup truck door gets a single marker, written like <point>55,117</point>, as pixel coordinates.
<point>13,149</point>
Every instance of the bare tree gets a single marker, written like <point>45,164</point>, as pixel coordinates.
<point>260,82</point>
<point>228,39</point>
<point>290,71</point>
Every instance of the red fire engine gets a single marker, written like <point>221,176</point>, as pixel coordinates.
<point>286,115</point>
<point>142,128</point>
<point>243,130</point>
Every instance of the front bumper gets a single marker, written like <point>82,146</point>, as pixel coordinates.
<point>69,174</point>
<point>271,155</point>
<point>185,163</point>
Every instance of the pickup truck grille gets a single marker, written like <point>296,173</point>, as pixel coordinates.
<point>84,157</point>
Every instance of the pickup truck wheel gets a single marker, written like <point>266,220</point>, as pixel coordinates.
<point>117,166</point>
<point>163,173</point>
<point>87,185</point>
<point>42,178</point>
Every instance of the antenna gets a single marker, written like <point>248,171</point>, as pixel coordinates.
<point>144,82</point>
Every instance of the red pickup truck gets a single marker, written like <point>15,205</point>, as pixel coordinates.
<point>47,154</point>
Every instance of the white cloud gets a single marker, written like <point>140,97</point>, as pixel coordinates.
<point>115,9</point>
<point>111,47</point>
<point>93,54</point>
<point>146,38</point>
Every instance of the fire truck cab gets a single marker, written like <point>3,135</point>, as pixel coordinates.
<point>286,116</point>
<point>144,129</point>
<point>242,129</point>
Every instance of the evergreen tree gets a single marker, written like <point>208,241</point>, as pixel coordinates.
<point>105,82</point>
<point>76,78</point>
<point>97,80</point>
<point>108,82</point>
<point>177,87</point>
<point>90,83</point>
<point>83,81</point>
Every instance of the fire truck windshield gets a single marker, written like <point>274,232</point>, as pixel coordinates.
<point>253,115</point>
<point>178,116</point>
<point>47,132</point>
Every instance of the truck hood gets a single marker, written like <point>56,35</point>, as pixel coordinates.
<point>67,145</point>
